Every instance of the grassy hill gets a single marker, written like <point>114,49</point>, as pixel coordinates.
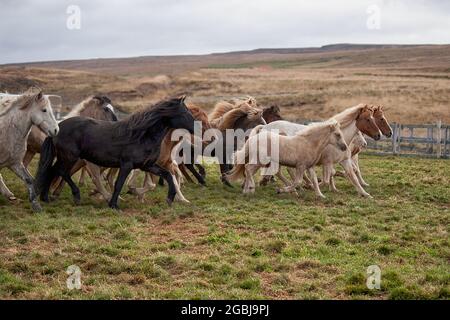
<point>413,82</point>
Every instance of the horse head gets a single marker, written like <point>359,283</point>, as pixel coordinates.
<point>272,113</point>
<point>40,110</point>
<point>100,107</point>
<point>366,123</point>
<point>381,122</point>
<point>336,137</point>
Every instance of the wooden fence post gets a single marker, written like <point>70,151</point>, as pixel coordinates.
<point>394,138</point>
<point>439,138</point>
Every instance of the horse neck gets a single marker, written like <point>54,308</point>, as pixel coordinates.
<point>349,132</point>
<point>19,121</point>
<point>319,141</point>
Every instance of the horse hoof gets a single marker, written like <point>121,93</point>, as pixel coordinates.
<point>114,206</point>
<point>77,201</point>
<point>12,198</point>
<point>36,207</point>
<point>169,202</point>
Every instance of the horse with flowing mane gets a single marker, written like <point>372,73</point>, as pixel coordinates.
<point>242,117</point>
<point>132,143</point>
<point>18,113</point>
<point>96,107</point>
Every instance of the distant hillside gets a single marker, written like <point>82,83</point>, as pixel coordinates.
<point>339,53</point>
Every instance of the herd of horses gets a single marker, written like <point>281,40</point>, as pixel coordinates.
<point>92,139</point>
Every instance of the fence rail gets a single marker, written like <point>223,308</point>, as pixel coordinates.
<point>421,140</point>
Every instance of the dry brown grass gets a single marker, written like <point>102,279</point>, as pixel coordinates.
<point>413,83</point>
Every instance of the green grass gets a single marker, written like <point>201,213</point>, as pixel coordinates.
<point>229,245</point>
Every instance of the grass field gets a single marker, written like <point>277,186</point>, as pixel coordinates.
<point>227,245</point>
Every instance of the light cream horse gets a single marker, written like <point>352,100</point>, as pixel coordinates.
<point>17,114</point>
<point>301,151</point>
<point>352,120</point>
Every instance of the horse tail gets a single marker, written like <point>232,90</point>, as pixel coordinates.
<point>240,158</point>
<point>256,130</point>
<point>48,154</point>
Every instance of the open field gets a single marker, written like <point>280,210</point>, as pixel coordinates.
<point>412,82</point>
<point>227,245</point>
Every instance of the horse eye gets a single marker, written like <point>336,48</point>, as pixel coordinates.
<point>45,110</point>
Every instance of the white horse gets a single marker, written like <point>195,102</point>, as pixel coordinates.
<point>300,151</point>
<point>17,114</point>
<point>352,120</point>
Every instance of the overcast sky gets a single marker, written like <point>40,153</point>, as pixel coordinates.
<point>32,30</point>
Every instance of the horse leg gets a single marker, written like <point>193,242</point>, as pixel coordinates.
<point>81,180</point>
<point>315,183</point>
<point>355,160</point>
<point>223,171</point>
<point>201,170</point>
<point>158,170</point>
<point>185,173</point>
<point>249,185</point>
<point>132,187</point>
<point>121,178</point>
<point>5,191</point>
<point>179,196</point>
<point>283,179</point>
<point>58,183</point>
<point>29,155</point>
<point>347,164</point>
<point>20,170</point>
<point>94,172</point>
<point>297,180</point>
<point>197,176</point>
<point>64,170</point>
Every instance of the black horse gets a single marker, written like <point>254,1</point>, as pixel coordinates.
<point>133,143</point>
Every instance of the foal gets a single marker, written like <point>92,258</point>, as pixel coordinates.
<point>133,143</point>
<point>301,151</point>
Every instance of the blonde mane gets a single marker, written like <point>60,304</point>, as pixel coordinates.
<point>229,118</point>
<point>346,117</point>
<point>78,108</point>
<point>220,109</point>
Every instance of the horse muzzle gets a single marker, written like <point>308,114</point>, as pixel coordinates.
<point>53,132</point>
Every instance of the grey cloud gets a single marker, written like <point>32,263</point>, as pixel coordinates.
<point>36,30</point>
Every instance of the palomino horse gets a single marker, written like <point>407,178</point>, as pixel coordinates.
<point>17,114</point>
<point>300,151</point>
<point>243,117</point>
<point>133,143</point>
<point>352,120</point>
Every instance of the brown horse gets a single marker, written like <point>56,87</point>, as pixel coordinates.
<point>272,113</point>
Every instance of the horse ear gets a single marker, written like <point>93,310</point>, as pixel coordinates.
<point>182,98</point>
